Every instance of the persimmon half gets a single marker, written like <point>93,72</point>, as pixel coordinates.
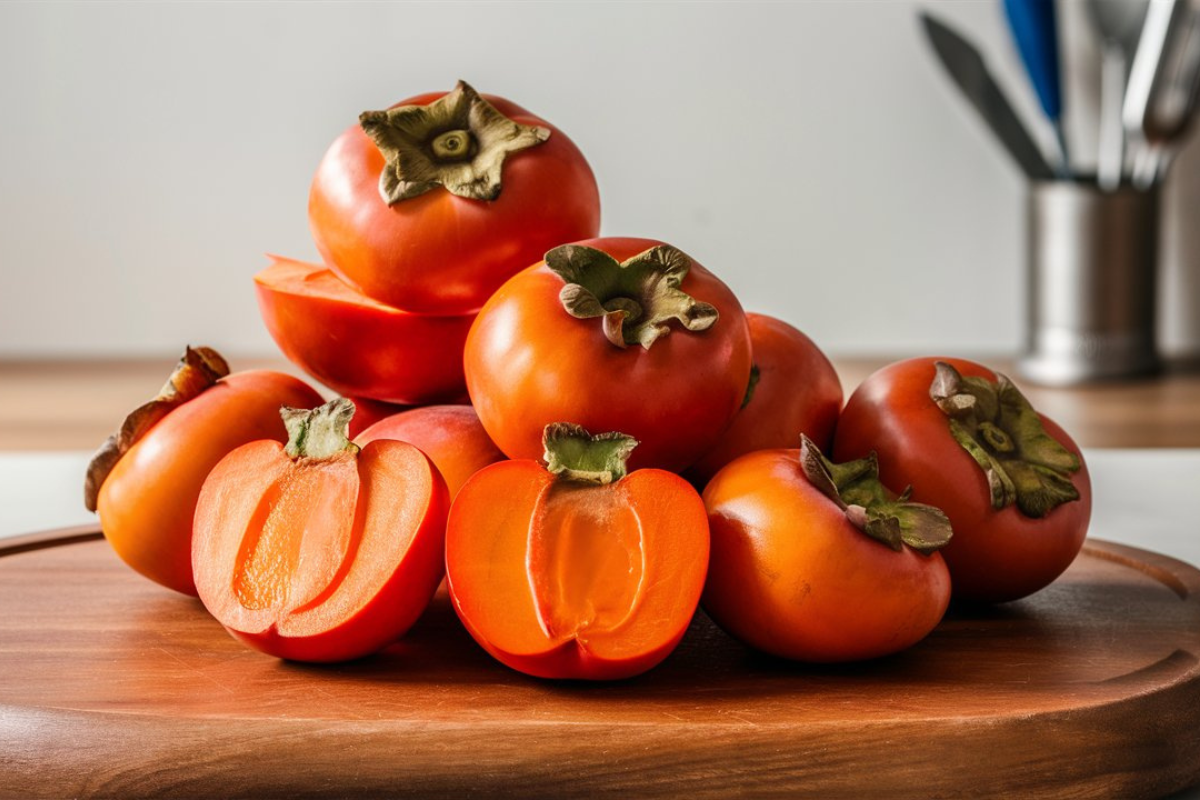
<point>320,550</point>
<point>358,346</point>
<point>575,569</point>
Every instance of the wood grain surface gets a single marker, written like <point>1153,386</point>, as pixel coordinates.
<point>73,405</point>
<point>112,686</point>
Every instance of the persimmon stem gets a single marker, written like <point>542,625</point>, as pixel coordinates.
<point>573,454</point>
<point>319,433</point>
<point>869,506</point>
<point>1004,435</point>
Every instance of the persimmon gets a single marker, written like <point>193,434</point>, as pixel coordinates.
<point>433,203</point>
<point>793,389</point>
<point>451,436</point>
<point>144,480</point>
<point>357,346</point>
<point>320,550</point>
<point>1013,483</point>
<point>817,561</point>
<point>576,568</point>
<point>611,334</point>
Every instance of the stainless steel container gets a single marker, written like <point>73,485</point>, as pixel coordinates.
<point>1093,267</point>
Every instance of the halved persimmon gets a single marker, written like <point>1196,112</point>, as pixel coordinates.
<point>358,346</point>
<point>576,569</point>
<point>320,551</point>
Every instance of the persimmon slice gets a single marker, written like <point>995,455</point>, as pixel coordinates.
<point>320,557</point>
<point>577,573</point>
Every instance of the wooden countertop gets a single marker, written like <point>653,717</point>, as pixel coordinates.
<point>74,405</point>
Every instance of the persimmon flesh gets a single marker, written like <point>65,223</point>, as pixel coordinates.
<point>562,579</point>
<point>320,558</point>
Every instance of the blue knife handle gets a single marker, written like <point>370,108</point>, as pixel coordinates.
<point>1035,30</point>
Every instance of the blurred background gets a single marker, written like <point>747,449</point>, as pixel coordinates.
<point>813,154</point>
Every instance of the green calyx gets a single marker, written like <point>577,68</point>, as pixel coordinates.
<point>1002,432</point>
<point>573,454</point>
<point>870,507</point>
<point>319,433</point>
<point>635,299</point>
<point>459,142</point>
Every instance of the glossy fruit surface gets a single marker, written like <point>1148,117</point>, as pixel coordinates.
<point>794,390</point>
<point>997,553</point>
<point>530,363</point>
<point>356,346</point>
<point>441,253</point>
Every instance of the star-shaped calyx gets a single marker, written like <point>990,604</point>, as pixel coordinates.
<point>635,299</point>
<point>459,141</point>
<point>1001,431</point>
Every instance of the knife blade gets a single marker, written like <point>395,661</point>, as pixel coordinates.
<point>966,67</point>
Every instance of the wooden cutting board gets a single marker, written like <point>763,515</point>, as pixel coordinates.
<point>112,686</point>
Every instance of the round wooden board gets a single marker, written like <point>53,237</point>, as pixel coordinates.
<point>112,686</point>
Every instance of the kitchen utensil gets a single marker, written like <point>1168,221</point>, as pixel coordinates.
<point>966,67</point>
<point>1172,104</point>
<point>1155,51</point>
<point>1118,24</point>
<point>1092,258</point>
<point>1035,31</point>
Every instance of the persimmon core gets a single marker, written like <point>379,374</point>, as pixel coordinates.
<point>301,535</point>
<point>586,560</point>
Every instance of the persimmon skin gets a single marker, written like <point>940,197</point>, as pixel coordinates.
<point>798,391</point>
<point>439,253</point>
<point>995,555</point>
<point>529,364</point>
<point>147,502</point>
<point>357,346</point>
<point>451,436</point>
<point>398,587</point>
<point>791,576</point>
<point>490,588</point>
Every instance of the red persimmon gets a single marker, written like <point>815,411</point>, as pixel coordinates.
<point>431,205</point>
<point>1012,482</point>
<point>816,561</point>
<point>611,334</point>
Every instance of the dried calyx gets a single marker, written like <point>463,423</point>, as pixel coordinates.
<point>197,370</point>
<point>459,142</point>
<point>870,507</point>
<point>322,432</point>
<point>636,299</point>
<point>1002,432</point>
<point>573,454</point>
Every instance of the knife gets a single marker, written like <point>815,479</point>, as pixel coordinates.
<point>966,67</point>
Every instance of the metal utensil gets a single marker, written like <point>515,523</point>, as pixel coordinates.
<point>1035,31</point>
<point>1119,25</point>
<point>1155,51</point>
<point>1172,105</point>
<point>966,67</point>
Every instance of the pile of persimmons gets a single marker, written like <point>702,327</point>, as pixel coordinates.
<point>586,437</point>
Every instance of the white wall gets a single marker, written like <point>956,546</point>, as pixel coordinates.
<point>812,154</point>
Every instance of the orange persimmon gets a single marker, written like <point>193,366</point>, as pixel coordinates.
<point>320,550</point>
<point>577,569</point>
<point>144,480</point>
<point>451,436</point>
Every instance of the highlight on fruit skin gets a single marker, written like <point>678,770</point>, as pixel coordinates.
<point>572,568</point>
<point>320,550</point>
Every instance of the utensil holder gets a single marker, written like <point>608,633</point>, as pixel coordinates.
<point>1092,284</point>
